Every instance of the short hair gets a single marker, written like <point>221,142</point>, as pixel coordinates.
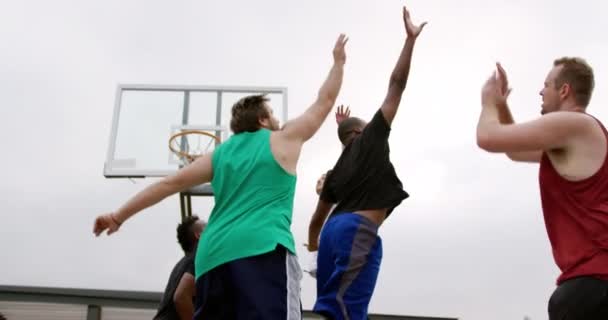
<point>185,233</point>
<point>579,75</point>
<point>247,112</point>
<point>2,317</point>
<point>346,129</point>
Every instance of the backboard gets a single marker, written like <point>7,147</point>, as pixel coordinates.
<point>146,116</point>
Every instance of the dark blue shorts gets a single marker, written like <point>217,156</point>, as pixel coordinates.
<point>263,287</point>
<point>348,263</point>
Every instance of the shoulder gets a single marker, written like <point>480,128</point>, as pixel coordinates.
<point>569,119</point>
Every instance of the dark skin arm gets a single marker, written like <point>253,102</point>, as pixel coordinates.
<point>316,223</point>
<point>183,296</point>
<point>400,74</point>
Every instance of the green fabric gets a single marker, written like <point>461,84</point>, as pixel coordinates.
<point>253,203</point>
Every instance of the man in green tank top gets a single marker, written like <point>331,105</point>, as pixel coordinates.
<point>245,263</point>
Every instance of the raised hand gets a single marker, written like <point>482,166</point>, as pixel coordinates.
<point>503,81</point>
<point>339,51</point>
<point>342,114</point>
<point>412,30</point>
<point>105,222</point>
<point>493,92</point>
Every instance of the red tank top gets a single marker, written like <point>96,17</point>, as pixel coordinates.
<point>576,218</point>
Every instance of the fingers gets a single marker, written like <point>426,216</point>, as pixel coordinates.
<point>502,77</point>
<point>98,226</point>
<point>501,71</point>
<point>103,223</point>
<point>341,42</point>
<point>491,81</point>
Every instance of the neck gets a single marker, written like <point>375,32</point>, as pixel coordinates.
<point>572,107</point>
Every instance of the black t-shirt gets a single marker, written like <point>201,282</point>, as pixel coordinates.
<point>364,177</point>
<point>166,309</point>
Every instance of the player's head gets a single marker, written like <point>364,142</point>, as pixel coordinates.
<point>189,231</point>
<point>349,129</point>
<point>251,113</point>
<point>569,84</point>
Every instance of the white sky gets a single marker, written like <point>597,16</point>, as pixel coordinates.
<point>469,243</point>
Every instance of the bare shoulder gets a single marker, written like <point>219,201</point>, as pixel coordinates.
<point>569,118</point>
<point>588,126</point>
<point>595,131</point>
<point>572,124</point>
<point>285,150</point>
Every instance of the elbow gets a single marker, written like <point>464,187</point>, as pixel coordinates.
<point>486,142</point>
<point>316,223</point>
<point>483,141</point>
<point>326,99</point>
<point>397,81</point>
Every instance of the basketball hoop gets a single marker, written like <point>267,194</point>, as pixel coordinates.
<point>192,144</point>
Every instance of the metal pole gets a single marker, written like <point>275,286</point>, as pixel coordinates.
<point>93,312</point>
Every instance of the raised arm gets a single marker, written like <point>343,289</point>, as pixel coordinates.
<point>306,125</point>
<point>505,117</point>
<point>198,172</point>
<point>398,79</point>
<point>555,130</point>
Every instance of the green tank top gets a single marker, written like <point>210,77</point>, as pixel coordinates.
<point>253,203</point>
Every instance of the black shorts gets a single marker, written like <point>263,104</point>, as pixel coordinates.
<point>264,287</point>
<point>583,298</point>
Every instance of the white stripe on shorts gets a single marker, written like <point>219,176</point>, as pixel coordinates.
<point>294,276</point>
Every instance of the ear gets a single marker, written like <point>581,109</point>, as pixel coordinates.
<point>564,91</point>
<point>264,122</point>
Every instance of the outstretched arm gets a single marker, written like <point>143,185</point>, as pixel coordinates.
<point>398,79</point>
<point>198,172</point>
<point>306,125</point>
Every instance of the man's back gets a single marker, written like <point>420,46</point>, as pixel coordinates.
<point>364,177</point>
<point>166,309</point>
<point>253,202</point>
<point>576,211</point>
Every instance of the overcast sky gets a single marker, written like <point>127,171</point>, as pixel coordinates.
<point>470,242</point>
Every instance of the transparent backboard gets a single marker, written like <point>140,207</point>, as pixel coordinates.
<point>146,116</point>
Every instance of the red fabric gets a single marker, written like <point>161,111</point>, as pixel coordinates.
<point>576,218</point>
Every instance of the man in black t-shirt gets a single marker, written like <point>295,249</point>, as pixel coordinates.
<point>178,300</point>
<point>364,189</point>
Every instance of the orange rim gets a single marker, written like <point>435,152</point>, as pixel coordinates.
<point>182,154</point>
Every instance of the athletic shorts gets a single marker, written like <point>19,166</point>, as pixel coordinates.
<point>264,287</point>
<point>348,263</point>
<point>582,298</point>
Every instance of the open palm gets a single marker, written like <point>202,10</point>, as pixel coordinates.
<point>411,29</point>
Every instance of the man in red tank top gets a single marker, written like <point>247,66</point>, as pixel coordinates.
<point>571,147</point>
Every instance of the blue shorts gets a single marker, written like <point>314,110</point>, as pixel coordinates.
<point>262,287</point>
<point>348,263</point>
